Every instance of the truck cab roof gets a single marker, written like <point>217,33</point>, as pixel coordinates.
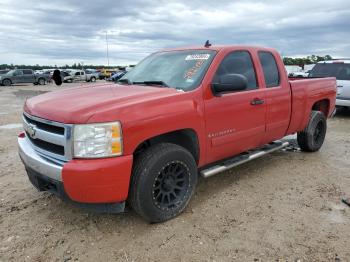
<point>220,48</point>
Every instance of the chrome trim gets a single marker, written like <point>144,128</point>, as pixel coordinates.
<point>44,135</point>
<point>64,140</point>
<point>33,160</point>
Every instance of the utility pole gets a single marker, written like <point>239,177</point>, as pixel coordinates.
<point>107,48</point>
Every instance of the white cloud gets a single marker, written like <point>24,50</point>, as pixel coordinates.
<point>59,32</point>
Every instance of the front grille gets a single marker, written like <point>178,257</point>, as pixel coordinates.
<point>49,128</point>
<point>51,139</point>
<point>47,146</point>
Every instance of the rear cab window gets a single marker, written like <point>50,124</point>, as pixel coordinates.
<point>238,62</point>
<point>27,72</point>
<point>270,69</point>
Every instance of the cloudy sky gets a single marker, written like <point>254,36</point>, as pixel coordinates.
<point>68,31</point>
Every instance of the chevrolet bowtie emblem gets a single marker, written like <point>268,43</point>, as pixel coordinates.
<point>31,129</point>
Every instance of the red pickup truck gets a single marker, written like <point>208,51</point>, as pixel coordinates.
<point>178,114</point>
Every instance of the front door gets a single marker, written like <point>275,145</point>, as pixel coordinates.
<point>17,77</point>
<point>235,122</point>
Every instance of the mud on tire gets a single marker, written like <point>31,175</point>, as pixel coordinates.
<point>312,137</point>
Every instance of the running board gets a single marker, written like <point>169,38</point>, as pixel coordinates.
<point>243,158</point>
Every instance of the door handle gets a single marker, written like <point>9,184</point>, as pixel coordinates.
<point>257,101</point>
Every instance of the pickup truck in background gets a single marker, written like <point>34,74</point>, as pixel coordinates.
<point>340,69</point>
<point>18,76</point>
<point>88,76</point>
<point>3,72</point>
<point>178,114</point>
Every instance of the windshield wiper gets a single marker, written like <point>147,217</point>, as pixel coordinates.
<point>124,80</point>
<point>152,82</point>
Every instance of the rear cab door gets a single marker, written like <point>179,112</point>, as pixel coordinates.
<point>277,94</point>
<point>28,76</point>
<point>235,121</point>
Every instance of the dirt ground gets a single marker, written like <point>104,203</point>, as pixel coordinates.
<point>285,206</point>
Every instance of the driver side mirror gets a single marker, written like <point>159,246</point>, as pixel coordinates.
<point>230,83</point>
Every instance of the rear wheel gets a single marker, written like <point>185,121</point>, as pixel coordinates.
<point>164,179</point>
<point>312,137</point>
<point>93,79</point>
<point>6,82</point>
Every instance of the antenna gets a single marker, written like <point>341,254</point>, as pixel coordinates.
<point>107,48</point>
<point>207,44</point>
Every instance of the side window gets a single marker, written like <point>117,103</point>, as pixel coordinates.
<point>269,65</point>
<point>27,72</point>
<point>77,73</point>
<point>19,72</point>
<point>238,62</point>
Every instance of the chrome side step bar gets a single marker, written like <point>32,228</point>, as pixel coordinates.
<point>243,158</point>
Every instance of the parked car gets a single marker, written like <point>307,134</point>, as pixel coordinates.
<point>106,73</point>
<point>341,70</point>
<point>88,76</point>
<point>178,114</point>
<point>115,77</point>
<point>3,72</point>
<point>300,74</point>
<point>23,76</point>
<point>68,76</point>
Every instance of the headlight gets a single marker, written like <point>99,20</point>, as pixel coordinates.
<point>98,140</point>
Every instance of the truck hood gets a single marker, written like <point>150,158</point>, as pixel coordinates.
<point>78,105</point>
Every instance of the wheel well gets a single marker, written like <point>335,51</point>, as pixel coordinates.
<point>186,138</point>
<point>7,79</point>
<point>322,105</point>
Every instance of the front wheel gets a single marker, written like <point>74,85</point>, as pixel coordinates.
<point>6,82</point>
<point>312,137</point>
<point>164,179</point>
<point>41,81</point>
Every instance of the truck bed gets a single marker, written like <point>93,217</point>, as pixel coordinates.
<point>308,93</point>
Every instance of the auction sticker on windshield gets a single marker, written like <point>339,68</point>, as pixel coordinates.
<point>198,57</point>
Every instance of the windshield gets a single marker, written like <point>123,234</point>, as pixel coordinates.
<point>11,72</point>
<point>179,69</point>
<point>340,71</point>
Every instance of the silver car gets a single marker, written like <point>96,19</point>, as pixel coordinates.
<point>340,69</point>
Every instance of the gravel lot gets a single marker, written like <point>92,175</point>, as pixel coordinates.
<point>285,206</point>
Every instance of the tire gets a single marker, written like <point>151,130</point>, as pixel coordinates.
<point>6,82</point>
<point>163,181</point>
<point>312,137</point>
<point>93,79</point>
<point>41,81</point>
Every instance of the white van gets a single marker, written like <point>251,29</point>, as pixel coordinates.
<point>340,69</point>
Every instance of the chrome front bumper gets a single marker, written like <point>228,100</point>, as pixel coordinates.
<point>38,163</point>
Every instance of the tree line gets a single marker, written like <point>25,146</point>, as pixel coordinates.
<point>312,59</point>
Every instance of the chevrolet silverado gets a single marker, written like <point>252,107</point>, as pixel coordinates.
<point>178,114</point>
